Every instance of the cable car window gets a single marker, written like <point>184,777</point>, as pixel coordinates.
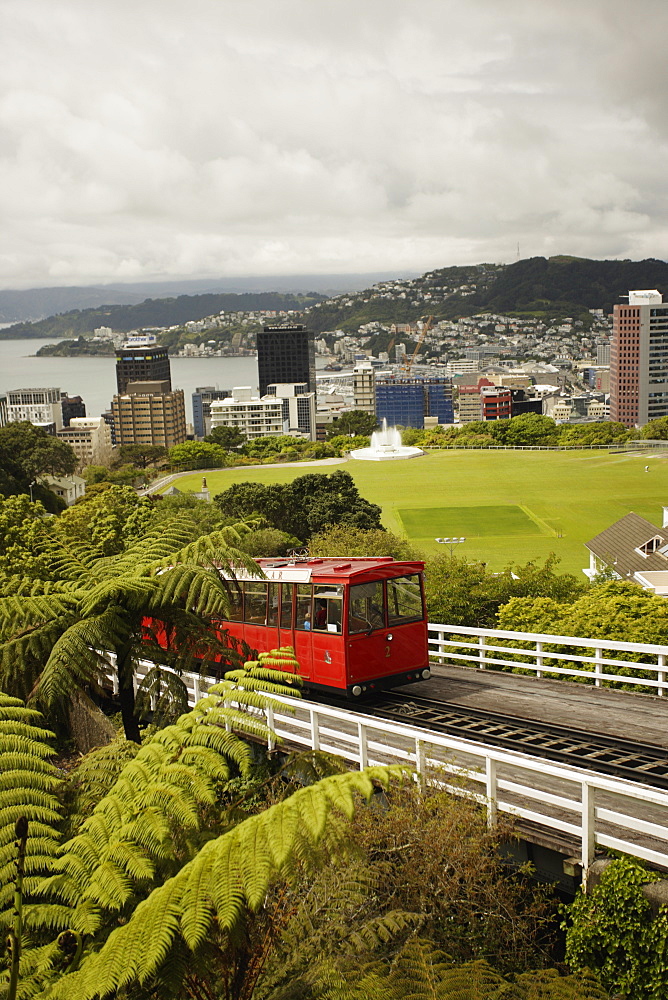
<point>303,611</point>
<point>255,604</point>
<point>236,612</point>
<point>327,603</point>
<point>287,590</point>
<point>272,604</point>
<point>366,607</point>
<point>404,599</point>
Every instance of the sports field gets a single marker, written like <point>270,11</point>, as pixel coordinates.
<point>510,506</point>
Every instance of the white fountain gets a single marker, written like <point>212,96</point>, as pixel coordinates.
<point>385,446</point>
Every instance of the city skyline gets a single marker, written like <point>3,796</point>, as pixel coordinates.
<point>159,141</point>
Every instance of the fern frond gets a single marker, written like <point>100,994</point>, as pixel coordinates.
<point>94,776</point>
<point>217,549</point>
<point>161,696</point>
<point>28,789</point>
<point>23,612</point>
<point>188,901</point>
<point>73,661</point>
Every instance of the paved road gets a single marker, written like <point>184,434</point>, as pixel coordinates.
<point>160,484</point>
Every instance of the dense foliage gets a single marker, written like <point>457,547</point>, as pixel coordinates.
<point>525,430</point>
<point>467,593</point>
<point>568,284</point>
<point>344,540</point>
<point>610,610</point>
<point>614,931</point>
<point>355,423</point>
<point>303,507</point>
<point>195,866</point>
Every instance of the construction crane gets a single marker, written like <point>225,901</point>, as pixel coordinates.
<point>426,327</point>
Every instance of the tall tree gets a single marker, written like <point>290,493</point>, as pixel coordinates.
<point>142,455</point>
<point>197,455</point>
<point>27,452</point>
<point>307,505</point>
<point>52,634</point>
<point>356,422</point>
<point>227,437</point>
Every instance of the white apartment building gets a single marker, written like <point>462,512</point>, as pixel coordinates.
<point>253,416</point>
<point>364,387</point>
<point>41,407</point>
<point>299,407</point>
<point>463,366</point>
<point>603,354</point>
<point>90,438</point>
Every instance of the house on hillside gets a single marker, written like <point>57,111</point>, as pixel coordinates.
<point>633,549</point>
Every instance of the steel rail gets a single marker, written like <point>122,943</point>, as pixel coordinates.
<point>607,754</point>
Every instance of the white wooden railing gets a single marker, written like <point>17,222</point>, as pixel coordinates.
<point>581,810</point>
<point>596,661</point>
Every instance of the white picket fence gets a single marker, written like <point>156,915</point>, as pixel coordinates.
<point>581,810</point>
<point>593,660</point>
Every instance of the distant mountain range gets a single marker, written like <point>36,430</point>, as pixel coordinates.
<point>35,304</point>
<point>555,286</point>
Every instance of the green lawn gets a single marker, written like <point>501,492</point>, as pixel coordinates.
<point>510,505</point>
<point>421,522</point>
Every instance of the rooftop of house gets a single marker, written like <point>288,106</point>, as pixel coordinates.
<point>632,545</point>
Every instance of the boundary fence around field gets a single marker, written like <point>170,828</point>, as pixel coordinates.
<point>594,661</point>
<point>618,446</point>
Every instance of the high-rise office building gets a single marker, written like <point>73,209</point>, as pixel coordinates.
<point>202,399</point>
<point>285,354</point>
<point>639,359</point>
<point>72,406</point>
<point>141,360</point>
<point>149,413</point>
<point>364,387</point>
<point>406,401</point>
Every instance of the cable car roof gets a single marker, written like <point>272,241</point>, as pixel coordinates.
<point>308,569</point>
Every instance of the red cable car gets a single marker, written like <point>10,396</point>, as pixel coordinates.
<point>357,624</point>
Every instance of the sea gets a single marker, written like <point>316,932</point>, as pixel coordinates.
<point>94,379</point>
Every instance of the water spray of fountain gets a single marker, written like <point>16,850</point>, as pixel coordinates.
<point>385,446</point>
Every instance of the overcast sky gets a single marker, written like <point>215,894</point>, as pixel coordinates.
<point>144,139</point>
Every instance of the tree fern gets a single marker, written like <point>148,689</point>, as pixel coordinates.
<point>228,875</point>
<point>28,787</point>
<point>52,634</point>
<point>92,779</point>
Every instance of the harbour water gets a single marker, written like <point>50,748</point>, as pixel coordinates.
<point>94,379</point>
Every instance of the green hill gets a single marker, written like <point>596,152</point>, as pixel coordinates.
<point>157,312</point>
<point>557,286</point>
<point>569,283</point>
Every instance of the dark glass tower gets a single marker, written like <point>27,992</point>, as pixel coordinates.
<point>285,354</point>
<point>140,360</point>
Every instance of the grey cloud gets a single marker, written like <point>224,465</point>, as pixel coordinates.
<point>185,138</point>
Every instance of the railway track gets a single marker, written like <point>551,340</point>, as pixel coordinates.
<point>598,752</point>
